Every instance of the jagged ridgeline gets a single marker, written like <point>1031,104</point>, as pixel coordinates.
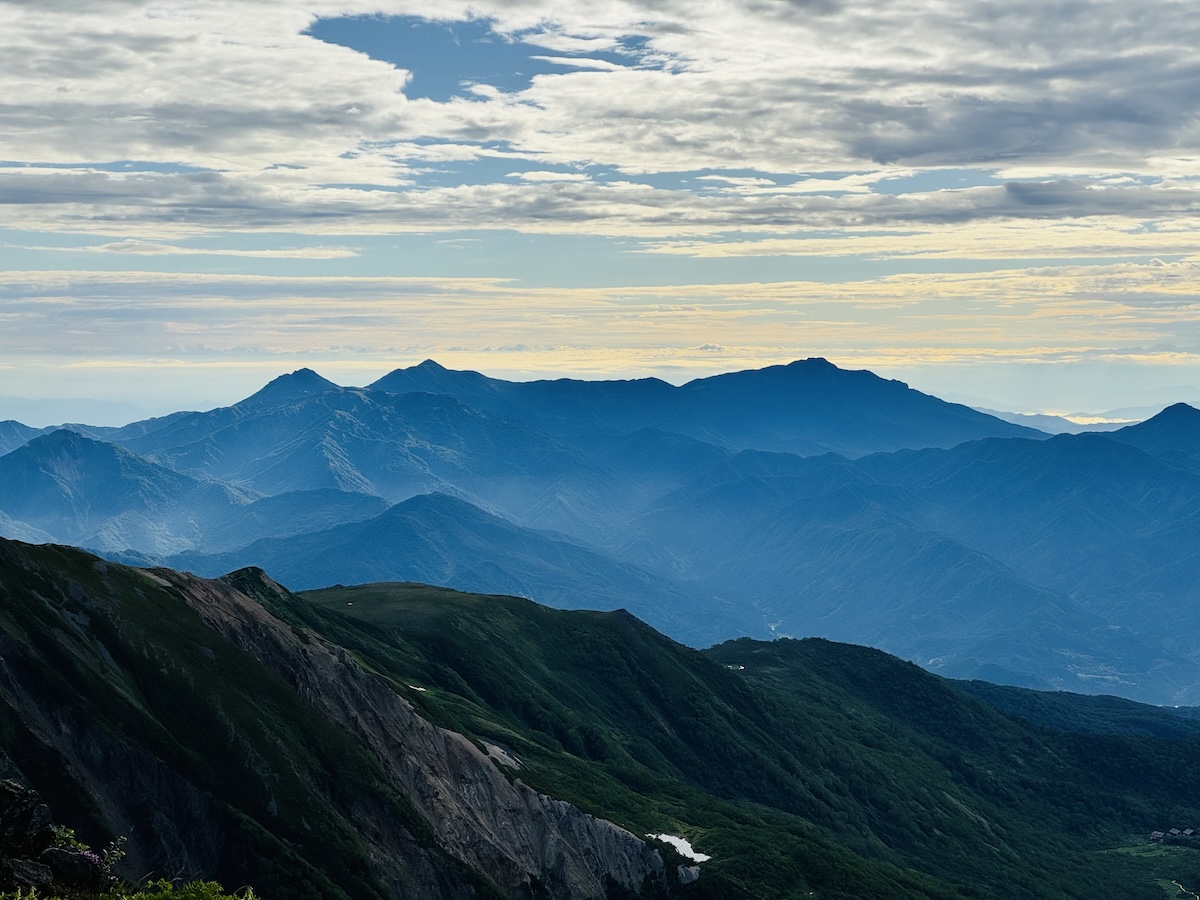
<point>408,741</point>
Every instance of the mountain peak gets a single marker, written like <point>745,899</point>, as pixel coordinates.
<point>432,377</point>
<point>1175,431</point>
<point>63,437</point>
<point>301,383</point>
<point>1180,412</point>
<point>303,378</point>
<point>1174,417</point>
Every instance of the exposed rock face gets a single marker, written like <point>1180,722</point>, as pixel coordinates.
<point>506,830</point>
<point>27,859</point>
<point>172,826</point>
<point>25,826</point>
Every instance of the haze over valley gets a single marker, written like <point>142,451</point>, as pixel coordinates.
<point>800,500</point>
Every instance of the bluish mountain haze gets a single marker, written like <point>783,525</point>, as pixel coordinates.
<point>1052,424</point>
<point>14,435</point>
<point>1173,434</point>
<point>809,406</point>
<point>970,545</point>
<point>438,539</point>
<point>101,495</point>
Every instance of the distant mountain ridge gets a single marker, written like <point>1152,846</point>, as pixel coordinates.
<point>439,539</point>
<point>714,509</point>
<point>83,491</point>
<point>808,406</point>
<point>1070,559</point>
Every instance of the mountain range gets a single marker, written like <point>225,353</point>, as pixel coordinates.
<point>401,740</point>
<point>794,500</point>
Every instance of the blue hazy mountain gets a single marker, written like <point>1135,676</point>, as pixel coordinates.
<point>439,539</point>
<point>98,494</point>
<point>1173,434</point>
<point>73,489</point>
<point>14,435</point>
<point>1065,561</point>
<point>1072,560</point>
<point>808,406</point>
<point>301,433</point>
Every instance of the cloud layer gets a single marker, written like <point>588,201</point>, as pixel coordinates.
<point>1018,165</point>
<point>248,122</point>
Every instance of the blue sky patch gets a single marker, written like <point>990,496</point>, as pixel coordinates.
<point>447,57</point>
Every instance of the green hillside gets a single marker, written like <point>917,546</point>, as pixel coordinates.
<point>817,766</point>
<point>240,732</point>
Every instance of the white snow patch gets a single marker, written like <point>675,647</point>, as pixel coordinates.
<point>415,688</point>
<point>682,845</point>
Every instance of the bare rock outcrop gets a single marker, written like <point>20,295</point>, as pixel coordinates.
<point>511,833</point>
<point>29,860</point>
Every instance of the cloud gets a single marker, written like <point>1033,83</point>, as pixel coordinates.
<point>549,176</point>
<point>1020,312</point>
<point>281,121</point>
<point>193,330</point>
<point>184,203</point>
<point>133,247</point>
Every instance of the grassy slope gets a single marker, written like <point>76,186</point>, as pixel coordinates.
<point>127,664</point>
<point>817,766</point>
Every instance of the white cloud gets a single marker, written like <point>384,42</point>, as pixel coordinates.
<point>549,176</point>
<point>133,247</point>
<point>238,89</point>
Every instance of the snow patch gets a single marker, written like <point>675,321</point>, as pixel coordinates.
<point>682,845</point>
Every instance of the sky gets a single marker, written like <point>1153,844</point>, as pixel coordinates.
<point>994,202</point>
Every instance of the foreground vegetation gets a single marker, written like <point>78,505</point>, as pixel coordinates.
<point>157,890</point>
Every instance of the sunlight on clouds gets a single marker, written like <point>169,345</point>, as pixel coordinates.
<point>549,176</point>
<point>1022,313</point>
<point>990,240</point>
<point>926,134</point>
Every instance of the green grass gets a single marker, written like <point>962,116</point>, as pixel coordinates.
<point>845,762</point>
